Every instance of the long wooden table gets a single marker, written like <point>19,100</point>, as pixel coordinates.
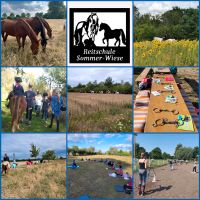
<point>159,102</point>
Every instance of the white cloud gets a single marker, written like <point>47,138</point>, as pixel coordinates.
<point>84,75</point>
<point>100,142</point>
<point>110,135</point>
<point>123,146</point>
<point>79,137</point>
<point>159,7</point>
<point>129,138</point>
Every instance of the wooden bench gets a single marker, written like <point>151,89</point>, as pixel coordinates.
<point>142,75</point>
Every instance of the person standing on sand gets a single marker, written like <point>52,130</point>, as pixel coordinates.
<point>194,170</point>
<point>142,174</point>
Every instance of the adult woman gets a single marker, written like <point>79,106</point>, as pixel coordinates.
<point>56,104</point>
<point>142,174</point>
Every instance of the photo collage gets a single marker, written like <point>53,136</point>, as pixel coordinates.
<point>99,100</point>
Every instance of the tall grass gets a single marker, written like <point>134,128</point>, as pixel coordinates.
<point>156,53</point>
<point>46,180</point>
<point>99,112</point>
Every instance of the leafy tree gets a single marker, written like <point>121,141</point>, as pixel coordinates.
<point>49,155</point>
<point>108,82</point>
<point>156,153</point>
<point>57,10</point>
<point>195,152</point>
<point>28,15</point>
<point>4,16</point>
<point>34,151</point>
<point>23,15</point>
<point>39,14</point>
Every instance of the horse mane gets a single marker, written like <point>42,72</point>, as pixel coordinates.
<point>41,29</point>
<point>30,31</point>
<point>46,25</point>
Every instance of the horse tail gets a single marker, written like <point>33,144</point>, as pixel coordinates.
<point>123,36</point>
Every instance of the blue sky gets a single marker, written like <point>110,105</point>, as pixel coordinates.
<point>20,144</point>
<point>159,7</point>
<point>166,142</point>
<point>101,141</point>
<point>19,7</point>
<point>84,75</point>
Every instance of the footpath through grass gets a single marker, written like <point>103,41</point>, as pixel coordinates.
<point>37,126</point>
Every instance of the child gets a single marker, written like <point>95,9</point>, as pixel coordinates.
<point>56,104</point>
<point>129,186</point>
<point>30,97</point>
<point>74,164</point>
<point>45,107</point>
<point>18,90</point>
<point>38,103</point>
<point>194,170</point>
<point>119,172</point>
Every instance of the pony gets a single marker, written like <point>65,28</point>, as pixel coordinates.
<point>17,108</point>
<point>88,28</point>
<point>20,29</point>
<point>5,167</point>
<point>110,34</point>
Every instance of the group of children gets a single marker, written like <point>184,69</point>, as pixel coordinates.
<point>39,102</point>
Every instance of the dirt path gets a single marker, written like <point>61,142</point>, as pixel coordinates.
<point>179,183</point>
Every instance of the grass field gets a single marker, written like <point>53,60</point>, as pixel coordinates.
<point>99,112</point>
<point>92,178</point>
<point>37,125</point>
<point>55,53</point>
<point>46,180</point>
<point>155,53</point>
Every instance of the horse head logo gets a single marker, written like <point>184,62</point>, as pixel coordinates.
<point>86,30</point>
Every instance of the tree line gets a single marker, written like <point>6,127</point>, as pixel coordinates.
<point>180,153</point>
<point>76,151</point>
<point>173,24</point>
<point>103,86</point>
<point>57,10</point>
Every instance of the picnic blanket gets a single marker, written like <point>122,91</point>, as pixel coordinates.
<point>119,188</point>
<point>141,110</point>
<point>85,197</point>
<point>72,167</point>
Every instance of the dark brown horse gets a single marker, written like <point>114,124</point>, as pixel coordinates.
<point>38,26</point>
<point>17,108</point>
<point>20,29</point>
<point>5,168</point>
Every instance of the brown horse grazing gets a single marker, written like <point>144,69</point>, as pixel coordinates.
<point>20,29</point>
<point>46,25</point>
<point>38,26</point>
<point>5,168</point>
<point>17,108</point>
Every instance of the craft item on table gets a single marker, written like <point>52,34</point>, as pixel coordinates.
<point>155,93</point>
<point>169,87</point>
<point>169,78</point>
<point>156,81</point>
<point>187,124</point>
<point>164,121</point>
<point>158,110</point>
<point>170,99</point>
<point>171,91</point>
